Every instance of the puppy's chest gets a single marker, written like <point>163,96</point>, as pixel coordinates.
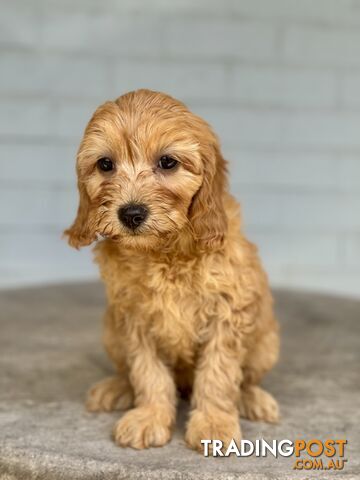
<point>167,301</point>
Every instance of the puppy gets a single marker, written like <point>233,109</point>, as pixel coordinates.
<point>189,307</point>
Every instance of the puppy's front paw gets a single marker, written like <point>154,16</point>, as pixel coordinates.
<point>113,393</point>
<point>257,404</point>
<point>143,427</point>
<point>213,425</point>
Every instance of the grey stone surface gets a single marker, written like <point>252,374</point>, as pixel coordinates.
<point>50,353</point>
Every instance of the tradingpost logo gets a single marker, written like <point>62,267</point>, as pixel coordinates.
<point>309,454</point>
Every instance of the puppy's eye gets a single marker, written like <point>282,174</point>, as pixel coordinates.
<point>167,163</point>
<point>105,164</point>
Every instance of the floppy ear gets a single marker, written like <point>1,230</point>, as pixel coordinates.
<point>80,233</point>
<point>207,213</point>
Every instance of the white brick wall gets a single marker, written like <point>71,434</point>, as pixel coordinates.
<point>285,87</point>
<point>278,79</point>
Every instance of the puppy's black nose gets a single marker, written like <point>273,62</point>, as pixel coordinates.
<point>132,215</point>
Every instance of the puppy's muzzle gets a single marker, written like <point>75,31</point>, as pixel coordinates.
<point>132,215</point>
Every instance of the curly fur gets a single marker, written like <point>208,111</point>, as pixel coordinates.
<point>189,307</point>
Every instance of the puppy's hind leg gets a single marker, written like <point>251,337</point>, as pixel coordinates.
<point>112,393</point>
<point>255,403</point>
<point>115,392</point>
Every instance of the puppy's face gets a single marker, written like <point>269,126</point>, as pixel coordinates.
<point>148,169</point>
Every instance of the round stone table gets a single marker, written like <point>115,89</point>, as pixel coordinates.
<point>51,352</point>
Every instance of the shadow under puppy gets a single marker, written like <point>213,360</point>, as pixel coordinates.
<point>189,307</point>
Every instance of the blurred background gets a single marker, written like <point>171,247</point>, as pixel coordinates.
<point>279,80</point>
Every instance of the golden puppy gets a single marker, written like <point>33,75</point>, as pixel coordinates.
<point>189,307</point>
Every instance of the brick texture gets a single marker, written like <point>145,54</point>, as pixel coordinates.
<point>278,80</point>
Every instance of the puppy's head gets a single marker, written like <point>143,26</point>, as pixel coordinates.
<point>148,169</point>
